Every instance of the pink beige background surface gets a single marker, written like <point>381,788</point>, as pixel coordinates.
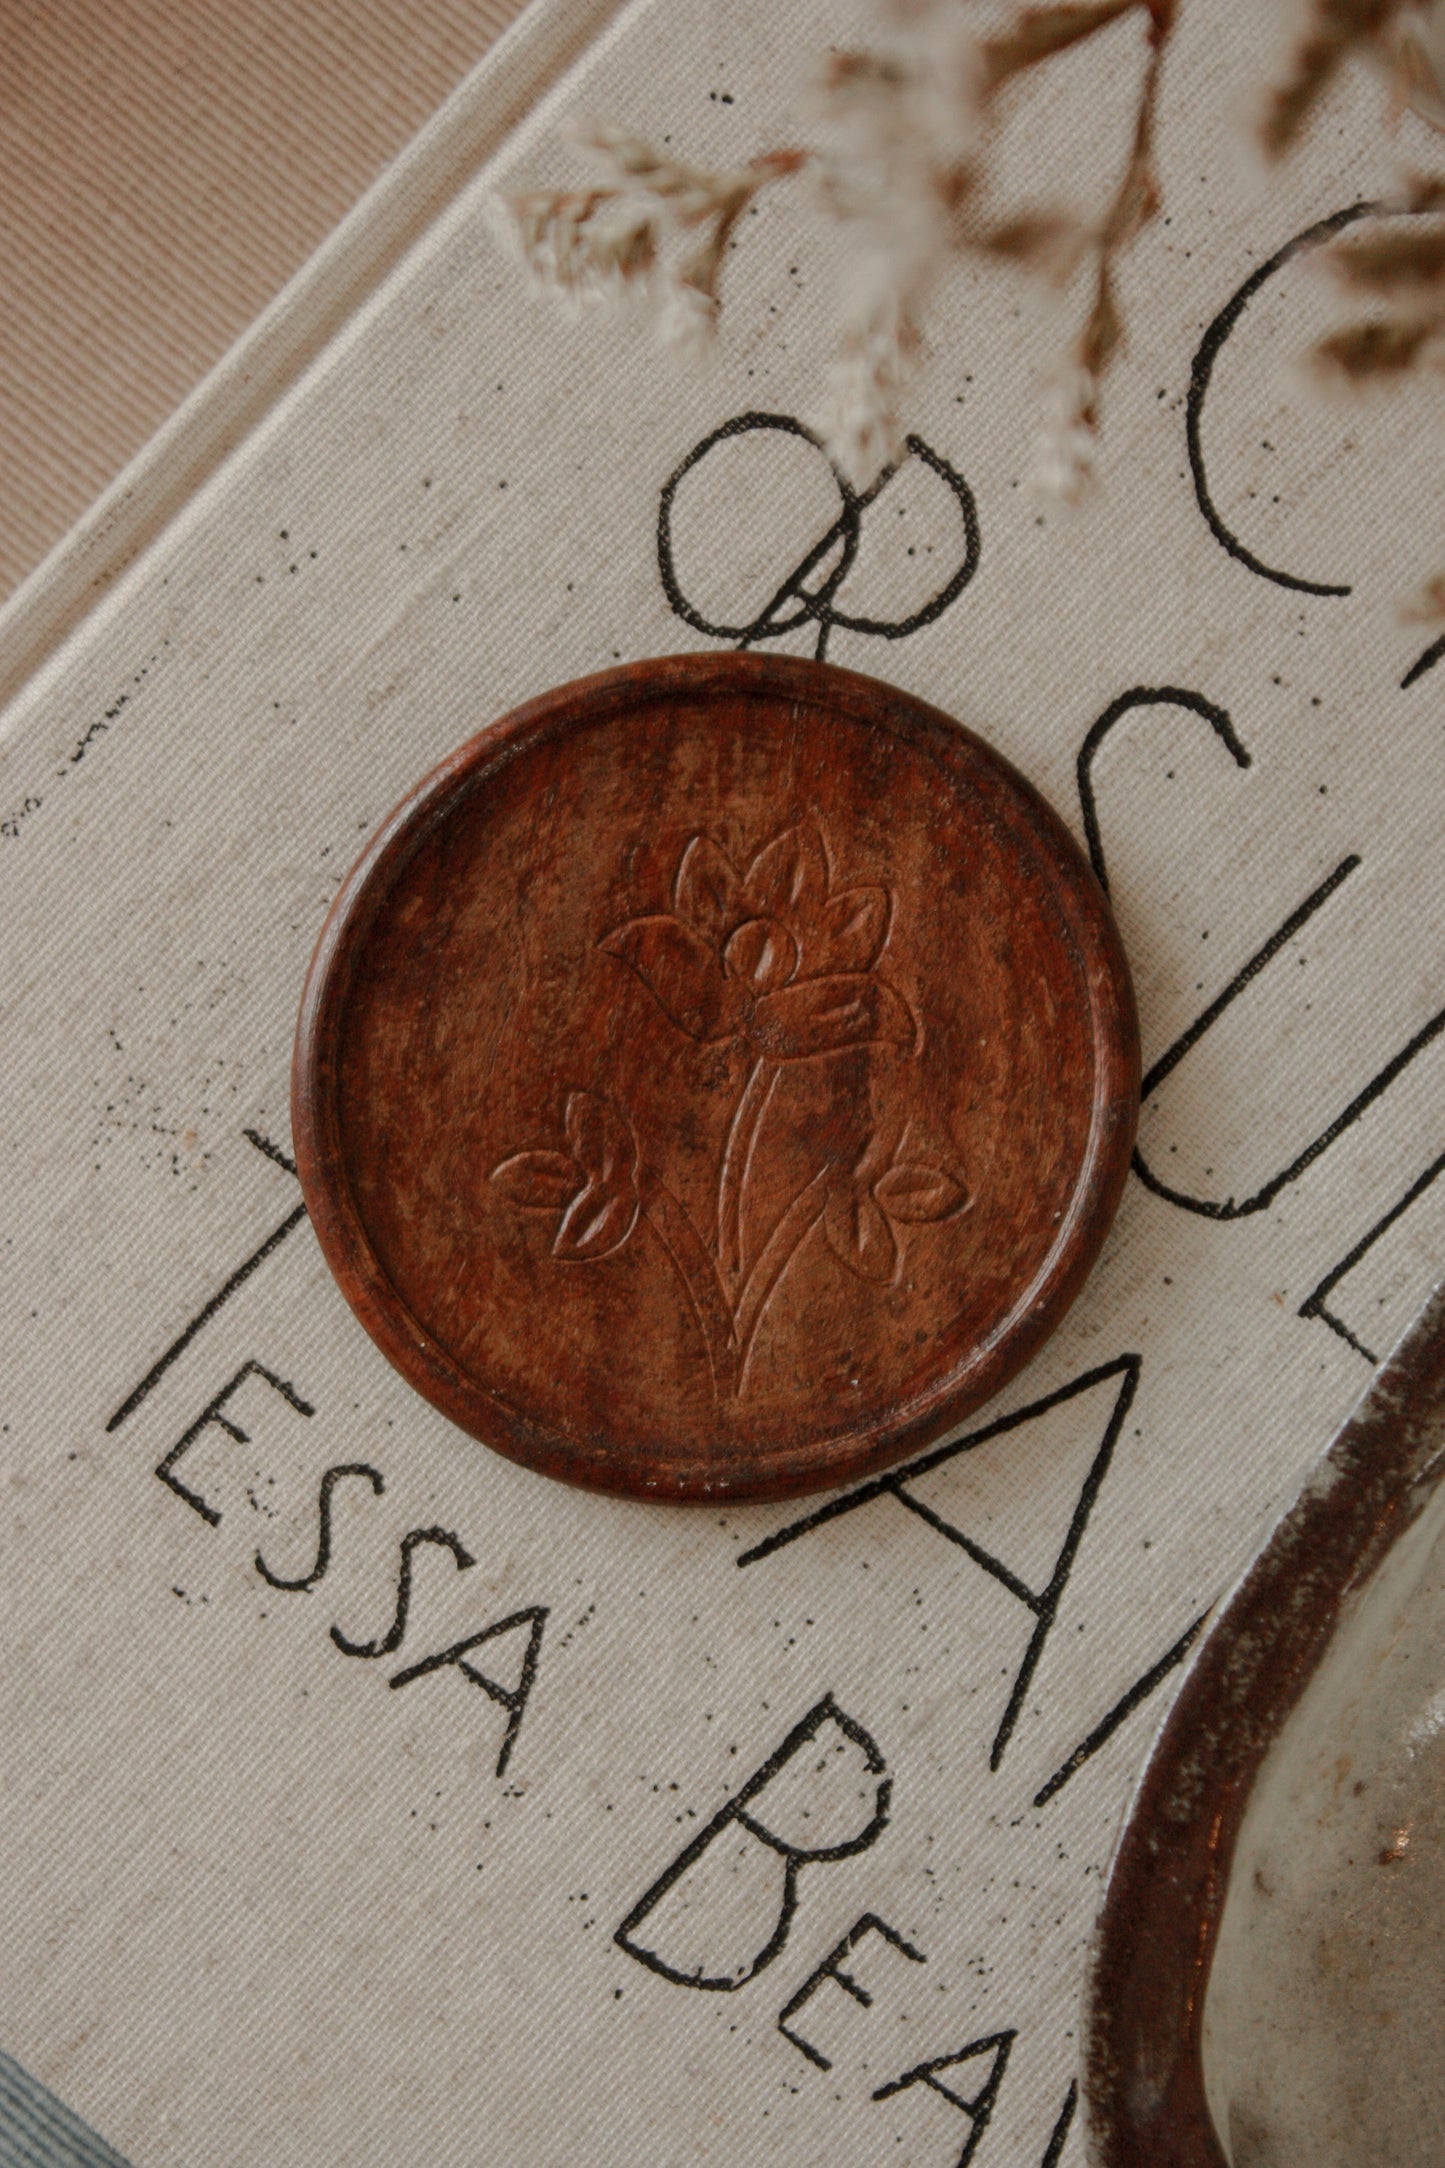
<point>167,165</point>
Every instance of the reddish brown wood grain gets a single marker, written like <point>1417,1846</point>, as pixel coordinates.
<point>716,1079</point>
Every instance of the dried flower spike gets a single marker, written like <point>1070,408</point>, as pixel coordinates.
<point>1066,457</point>
<point>906,170</point>
<point>912,174</point>
<point>1400,269</point>
<point>605,242</point>
<point>859,419</point>
<point>1428,605</point>
<point>1334,31</point>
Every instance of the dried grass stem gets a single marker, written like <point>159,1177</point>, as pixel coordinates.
<point>912,125</point>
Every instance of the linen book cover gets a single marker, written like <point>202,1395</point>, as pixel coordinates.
<point>366,1797</point>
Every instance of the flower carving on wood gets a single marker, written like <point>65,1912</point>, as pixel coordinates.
<point>883,1191</point>
<point>780,958</point>
<point>593,1184</point>
<point>773,954</point>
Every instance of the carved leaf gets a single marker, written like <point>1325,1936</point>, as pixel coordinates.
<point>897,1024</point>
<point>821,1016</point>
<point>855,923</point>
<point>597,1222</point>
<point>762,954</point>
<point>859,1234</point>
<point>537,1181</point>
<point>601,1138</point>
<point>789,876</point>
<point>706,889</point>
<point>682,974</point>
<point>912,1193</point>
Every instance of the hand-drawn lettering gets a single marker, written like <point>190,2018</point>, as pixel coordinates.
<point>213,1413</point>
<point>392,1638</point>
<point>1259,1200</point>
<point>1319,234</point>
<point>1122,1710</point>
<point>828,562</point>
<point>738,1877</point>
<point>1263,1195</point>
<point>513,1699</point>
<point>322,1560</point>
<point>1053,2152</point>
<point>216,1302</point>
<point>979,2106</point>
<point>1317,1301</point>
<point>832,1969</point>
<point>531,1620</point>
<point>1142,696</point>
<point>1210,347</point>
<point>1044,1604</point>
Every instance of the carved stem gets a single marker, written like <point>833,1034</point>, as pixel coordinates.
<point>698,1275</point>
<point>737,1153</point>
<point>781,1247</point>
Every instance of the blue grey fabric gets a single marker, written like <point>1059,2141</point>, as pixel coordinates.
<point>39,2131</point>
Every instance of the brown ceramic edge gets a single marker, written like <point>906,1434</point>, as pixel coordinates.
<point>379,1305</point>
<point>1154,1943</point>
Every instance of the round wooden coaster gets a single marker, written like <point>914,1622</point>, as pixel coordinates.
<point>716,1079</point>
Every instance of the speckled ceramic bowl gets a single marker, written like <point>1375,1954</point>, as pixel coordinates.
<point>1269,1963</point>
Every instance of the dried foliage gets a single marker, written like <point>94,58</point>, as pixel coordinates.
<point>1334,30</point>
<point>604,242</point>
<point>914,132</point>
<point>1396,272</point>
<point>1428,606</point>
<point>909,130</point>
<point>905,164</point>
<point>1400,271</point>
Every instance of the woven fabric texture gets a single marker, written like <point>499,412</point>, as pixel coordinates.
<point>266,1898</point>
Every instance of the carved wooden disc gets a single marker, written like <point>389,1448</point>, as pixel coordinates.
<point>716,1079</point>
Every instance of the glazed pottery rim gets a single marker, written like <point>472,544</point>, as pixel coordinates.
<point>846,1454</point>
<point>1154,1940</point>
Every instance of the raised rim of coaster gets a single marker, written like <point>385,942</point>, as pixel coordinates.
<point>772,1467</point>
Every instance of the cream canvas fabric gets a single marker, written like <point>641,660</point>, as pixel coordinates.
<point>427,1811</point>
